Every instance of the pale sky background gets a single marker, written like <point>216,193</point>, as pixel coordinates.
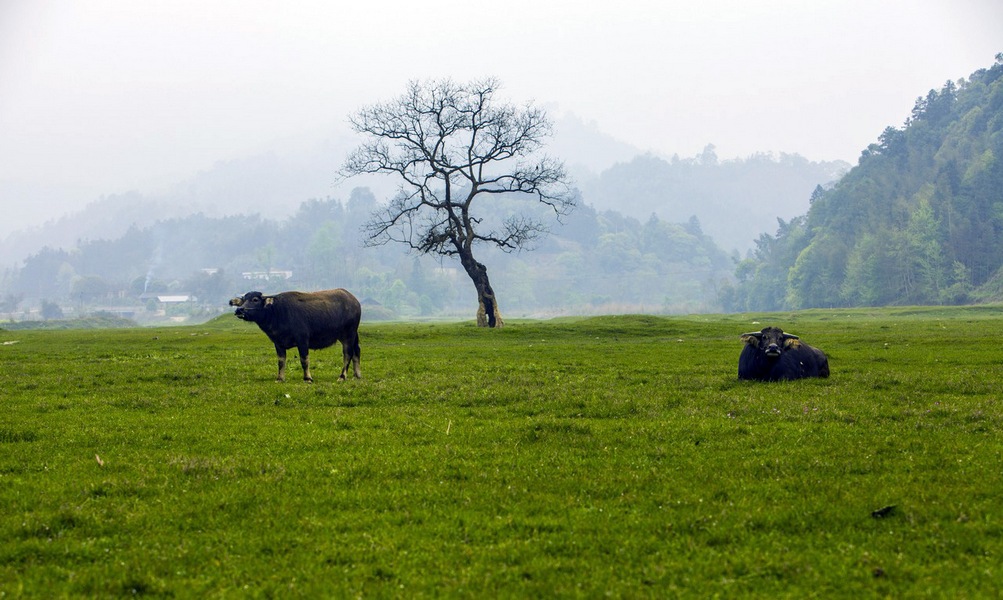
<point>106,96</point>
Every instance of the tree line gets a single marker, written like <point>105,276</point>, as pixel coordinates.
<point>594,262</point>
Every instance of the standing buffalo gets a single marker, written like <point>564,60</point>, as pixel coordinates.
<point>771,355</point>
<point>306,321</point>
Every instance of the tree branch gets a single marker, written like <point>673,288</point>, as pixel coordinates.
<point>453,147</point>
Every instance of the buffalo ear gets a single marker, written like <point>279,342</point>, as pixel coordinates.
<point>751,338</point>
<point>236,301</point>
<point>269,300</point>
<point>792,341</point>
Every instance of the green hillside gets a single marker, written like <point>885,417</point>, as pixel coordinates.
<point>919,220</point>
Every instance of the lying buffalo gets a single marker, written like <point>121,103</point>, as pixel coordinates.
<point>771,355</point>
<point>306,321</point>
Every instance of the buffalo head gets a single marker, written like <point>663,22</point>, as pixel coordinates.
<point>250,305</point>
<point>772,341</point>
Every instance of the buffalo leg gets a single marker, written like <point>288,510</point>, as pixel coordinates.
<point>346,355</point>
<point>305,362</point>
<point>350,354</point>
<point>357,357</point>
<point>281,352</point>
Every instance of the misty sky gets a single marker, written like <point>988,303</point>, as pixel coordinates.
<point>106,96</point>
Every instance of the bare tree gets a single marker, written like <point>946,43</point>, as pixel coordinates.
<point>454,148</point>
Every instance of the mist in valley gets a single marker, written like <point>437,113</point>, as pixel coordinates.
<point>154,163</point>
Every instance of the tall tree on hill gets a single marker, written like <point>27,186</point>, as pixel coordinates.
<point>455,148</point>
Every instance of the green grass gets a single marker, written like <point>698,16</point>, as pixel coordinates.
<point>612,456</point>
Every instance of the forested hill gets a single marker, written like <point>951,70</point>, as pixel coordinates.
<point>919,220</point>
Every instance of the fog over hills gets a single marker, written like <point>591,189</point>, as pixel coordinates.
<point>734,200</point>
<point>612,175</point>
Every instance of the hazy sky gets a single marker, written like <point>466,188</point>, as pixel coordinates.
<point>105,96</point>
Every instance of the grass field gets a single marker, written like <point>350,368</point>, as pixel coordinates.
<point>613,456</point>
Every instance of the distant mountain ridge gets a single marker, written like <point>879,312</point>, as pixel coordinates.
<point>734,200</point>
<point>611,174</point>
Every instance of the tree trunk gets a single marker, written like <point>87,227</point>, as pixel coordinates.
<point>488,314</point>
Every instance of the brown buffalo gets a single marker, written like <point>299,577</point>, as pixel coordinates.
<point>306,321</point>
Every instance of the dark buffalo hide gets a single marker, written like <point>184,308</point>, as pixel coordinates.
<point>772,355</point>
<point>306,321</point>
